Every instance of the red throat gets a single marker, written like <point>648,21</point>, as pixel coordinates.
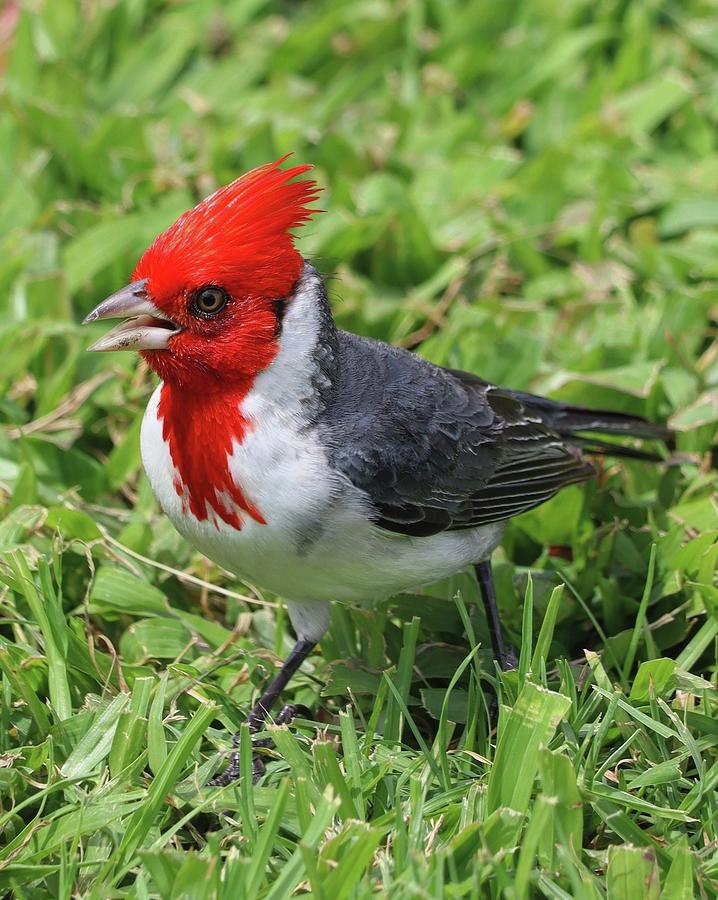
<point>238,241</point>
<point>201,431</point>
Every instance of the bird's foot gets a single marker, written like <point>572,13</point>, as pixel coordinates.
<point>509,660</point>
<point>255,722</point>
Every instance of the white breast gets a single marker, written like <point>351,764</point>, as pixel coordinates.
<point>318,543</point>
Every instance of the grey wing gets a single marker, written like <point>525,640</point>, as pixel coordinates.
<point>436,453</point>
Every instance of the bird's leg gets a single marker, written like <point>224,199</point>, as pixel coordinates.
<point>506,659</point>
<point>260,712</point>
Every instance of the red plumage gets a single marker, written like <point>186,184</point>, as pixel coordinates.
<point>201,431</point>
<point>237,237</point>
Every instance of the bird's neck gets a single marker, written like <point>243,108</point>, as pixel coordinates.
<point>203,428</point>
<point>302,376</point>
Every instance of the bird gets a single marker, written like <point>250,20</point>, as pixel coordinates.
<point>322,465</point>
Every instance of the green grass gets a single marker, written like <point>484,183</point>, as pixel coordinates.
<point>526,190</point>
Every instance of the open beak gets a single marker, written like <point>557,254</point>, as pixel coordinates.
<point>146,328</point>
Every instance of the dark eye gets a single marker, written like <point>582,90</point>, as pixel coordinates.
<point>208,301</point>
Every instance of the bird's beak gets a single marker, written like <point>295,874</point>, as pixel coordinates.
<point>146,328</point>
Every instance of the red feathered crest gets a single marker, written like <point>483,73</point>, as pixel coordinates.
<point>237,237</point>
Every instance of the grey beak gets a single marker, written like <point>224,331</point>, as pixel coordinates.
<point>147,328</point>
<point>130,300</point>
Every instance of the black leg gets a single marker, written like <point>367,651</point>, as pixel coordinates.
<point>507,660</point>
<point>261,710</point>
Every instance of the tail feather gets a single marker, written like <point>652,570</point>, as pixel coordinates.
<point>579,424</point>
<point>596,447</point>
<point>571,420</point>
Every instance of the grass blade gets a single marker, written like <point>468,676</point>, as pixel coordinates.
<point>632,872</point>
<point>54,638</point>
<point>96,743</point>
<point>526,631</point>
<point>543,642</point>
<point>141,822</point>
<point>532,722</point>
<point>640,617</point>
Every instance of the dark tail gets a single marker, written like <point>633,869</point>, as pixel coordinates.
<point>579,423</point>
<point>575,422</point>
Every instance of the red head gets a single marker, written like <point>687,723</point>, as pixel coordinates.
<point>204,306</point>
<point>210,282</point>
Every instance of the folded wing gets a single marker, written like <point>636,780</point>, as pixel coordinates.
<point>435,452</point>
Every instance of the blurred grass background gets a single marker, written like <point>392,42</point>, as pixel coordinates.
<point>523,190</point>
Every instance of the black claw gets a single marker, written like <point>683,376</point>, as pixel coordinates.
<point>258,767</point>
<point>286,715</point>
<point>230,774</point>
<point>260,712</point>
<point>292,711</point>
<point>509,660</point>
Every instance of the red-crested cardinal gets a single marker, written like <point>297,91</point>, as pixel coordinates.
<point>321,465</point>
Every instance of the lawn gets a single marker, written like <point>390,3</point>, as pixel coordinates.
<point>526,190</point>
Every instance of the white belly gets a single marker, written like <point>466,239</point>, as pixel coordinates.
<point>317,543</point>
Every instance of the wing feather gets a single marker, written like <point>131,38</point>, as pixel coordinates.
<point>435,452</point>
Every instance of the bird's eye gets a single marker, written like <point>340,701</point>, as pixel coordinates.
<point>208,301</point>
